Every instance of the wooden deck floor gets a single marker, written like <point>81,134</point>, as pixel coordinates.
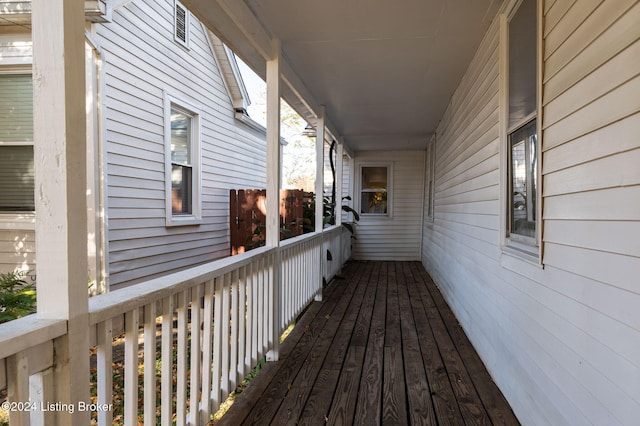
<point>382,348</point>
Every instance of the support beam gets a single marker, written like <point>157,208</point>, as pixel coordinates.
<point>60,191</point>
<point>249,25</point>
<point>273,191</point>
<point>300,98</point>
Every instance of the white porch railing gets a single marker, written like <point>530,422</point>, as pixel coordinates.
<point>198,332</point>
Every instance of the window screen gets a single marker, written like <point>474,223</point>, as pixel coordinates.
<point>16,108</point>
<point>16,143</point>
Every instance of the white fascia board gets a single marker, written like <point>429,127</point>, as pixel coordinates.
<point>94,10</point>
<point>239,81</point>
<point>231,76</point>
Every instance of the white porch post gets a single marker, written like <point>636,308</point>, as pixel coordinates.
<point>60,191</point>
<point>320,192</point>
<point>338,206</point>
<point>273,189</point>
<point>339,169</point>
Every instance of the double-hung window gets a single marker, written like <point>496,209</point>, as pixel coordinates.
<point>522,124</point>
<point>16,143</point>
<point>374,189</point>
<point>183,158</point>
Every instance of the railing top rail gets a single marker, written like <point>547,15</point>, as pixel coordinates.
<point>299,239</point>
<point>123,300</point>
<point>309,236</point>
<point>24,333</point>
<point>332,228</point>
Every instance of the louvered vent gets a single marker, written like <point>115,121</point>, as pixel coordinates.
<point>181,24</point>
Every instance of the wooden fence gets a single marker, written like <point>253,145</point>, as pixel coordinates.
<point>247,216</point>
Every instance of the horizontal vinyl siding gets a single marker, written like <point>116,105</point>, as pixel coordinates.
<point>396,237</point>
<point>142,61</point>
<point>347,184</point>
<point>16,49</point>
<point>591,178</point>
<point>561,342</point>
<point>17,250</point>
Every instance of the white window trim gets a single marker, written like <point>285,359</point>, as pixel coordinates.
<point>528,249</point>
<point>187,24</point>
<point>195,217</point>
<point>430,179</point>
<point>358,192</point>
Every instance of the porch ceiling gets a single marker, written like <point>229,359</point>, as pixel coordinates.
<point>384,70</point>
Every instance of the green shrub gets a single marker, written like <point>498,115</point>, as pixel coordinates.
<point>17,297</point>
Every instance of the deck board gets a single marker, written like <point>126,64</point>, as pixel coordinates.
<point>382,348</point>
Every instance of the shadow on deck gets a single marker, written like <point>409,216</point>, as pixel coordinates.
<point>382,348</point>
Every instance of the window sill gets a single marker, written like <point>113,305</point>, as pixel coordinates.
<point>364,217</point>
<point>519,252</point>
<point>183,221</point>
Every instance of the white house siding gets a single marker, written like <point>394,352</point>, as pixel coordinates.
<point>141,61</point>
<point>563,341</point>
<point>397,236</point>
<point>347,187</point>
<point>15,48</point>
<point>17,249</point>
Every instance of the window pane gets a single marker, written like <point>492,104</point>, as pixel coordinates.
<point>374,178</point>
<point>181,189</point>
<point>373,202</point>
<point>523,180</point>
<point>16,108</point>
<point>522,63</point>
<point>180,137</point>
<point>16,178</point>
<point>373,194</point>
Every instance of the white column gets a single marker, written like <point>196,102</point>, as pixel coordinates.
<point>338,207</point>
<point>273,148</point>
<point>273,191</point>
<point>319,194</point>
<point>339,170</point>
<point>60,191</point>
<point>319,170</point>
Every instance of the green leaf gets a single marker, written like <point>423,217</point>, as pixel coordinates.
<point>348,209</point>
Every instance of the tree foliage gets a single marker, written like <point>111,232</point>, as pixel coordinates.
<point>17,297</point>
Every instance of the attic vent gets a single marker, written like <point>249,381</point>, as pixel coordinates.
<point>181,24</point>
